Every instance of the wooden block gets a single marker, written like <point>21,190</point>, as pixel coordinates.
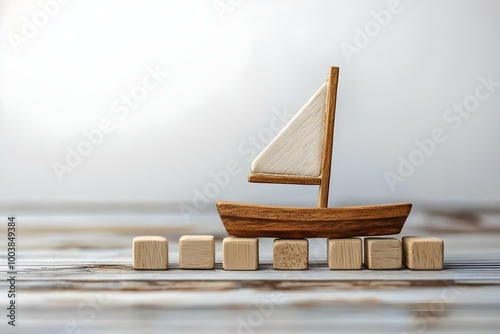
<point>196,252</point>
<point>150,252</point>
<point>240,253</point>
<point>345,253</point>
<point>423,253</point>
<point>383,253</point>
<point>290,254</point>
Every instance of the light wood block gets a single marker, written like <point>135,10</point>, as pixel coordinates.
<point>290,254</point>
<point>423,253</point>
<point>196,252</point>
<point>345,254</point>
<point>150,252</point>
<point>240,253</point>
<point>383,253</point>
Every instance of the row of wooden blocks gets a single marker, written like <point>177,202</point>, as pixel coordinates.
<point>198,252</point>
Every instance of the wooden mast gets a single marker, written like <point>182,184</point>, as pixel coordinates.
<point>326,163</point>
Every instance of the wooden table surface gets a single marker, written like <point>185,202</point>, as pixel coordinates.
<point>75,276</point>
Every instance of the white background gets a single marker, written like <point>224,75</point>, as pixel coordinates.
<point>229,72</point>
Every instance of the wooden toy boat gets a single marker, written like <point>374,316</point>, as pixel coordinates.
<point>301,153</point>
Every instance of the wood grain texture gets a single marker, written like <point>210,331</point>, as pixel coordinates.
<point>245,220</point>
<point>383,253</point>
<point>240,253</point>
<point>290,254</point>
<point>197,252</point>
<point>87,263</point>
<point>423,253</point>
<point>283,179</point>
<point>150,252</point>
<point>326,162</point>
<point>297,148</point>
<point>345,254</point>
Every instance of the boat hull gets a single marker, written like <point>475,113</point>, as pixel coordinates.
<point>252,221</point>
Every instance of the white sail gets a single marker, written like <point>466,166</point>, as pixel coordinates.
<point>297,149</point>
